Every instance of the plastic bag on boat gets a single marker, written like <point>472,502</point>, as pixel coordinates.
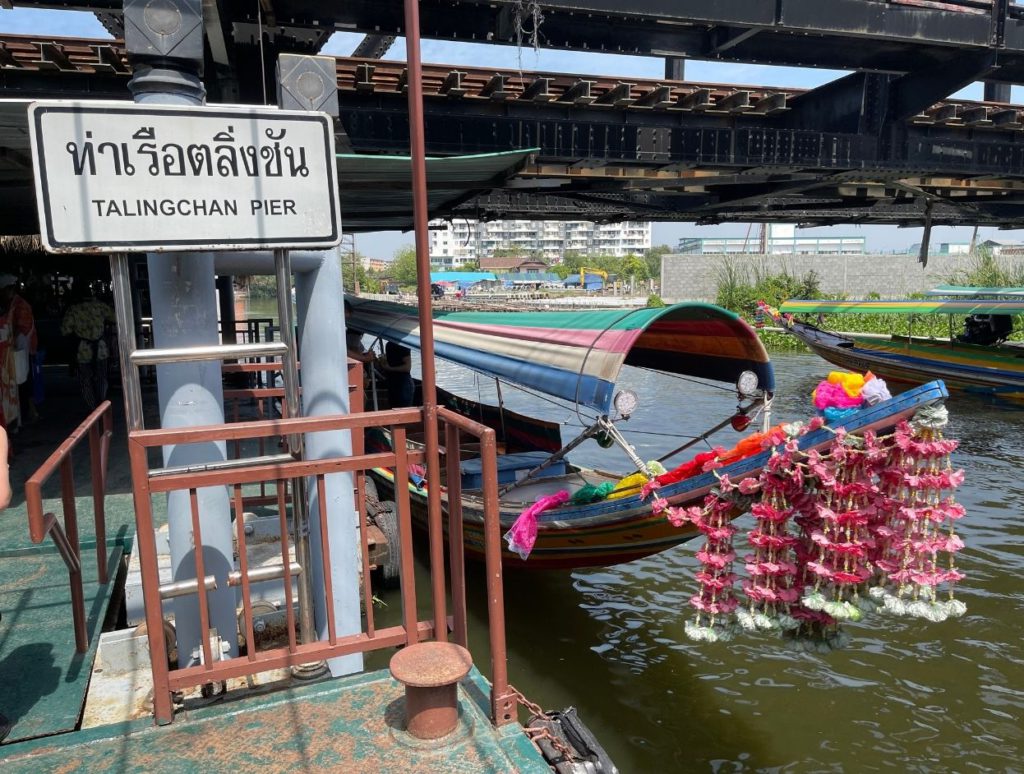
<point>836,415</point>
<point>523,533</point>
<point>628,486</point>
<point>832,395</point>
<point>592,493</point>
<point>875,391</point>
<point>691,468</point>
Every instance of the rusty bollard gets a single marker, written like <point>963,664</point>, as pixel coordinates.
<point>430,672</point>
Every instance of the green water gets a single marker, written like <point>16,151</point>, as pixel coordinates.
<point>904,695</point>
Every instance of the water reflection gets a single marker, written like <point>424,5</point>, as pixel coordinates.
<point>904,695</point>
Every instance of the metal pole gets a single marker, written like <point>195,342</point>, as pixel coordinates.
<point>325,392</point>
<point>300,515</point>
<point>183,298</point>
<point>418,152</point>
<point>226,301</point>
<point>120,281</point>
<point>355,268</point>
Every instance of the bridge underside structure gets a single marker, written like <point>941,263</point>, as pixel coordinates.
<point>883,144</point>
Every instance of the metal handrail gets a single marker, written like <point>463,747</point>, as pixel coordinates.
<point>98,426</point>
<point>503,703</point>
<point>410,631</point>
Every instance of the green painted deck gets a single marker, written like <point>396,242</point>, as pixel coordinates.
<point>43,680</point>
<point>351,724</point>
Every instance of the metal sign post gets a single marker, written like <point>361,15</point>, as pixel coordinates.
<point>178,181</point>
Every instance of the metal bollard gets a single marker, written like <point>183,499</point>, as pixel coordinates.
<point>430,672</point>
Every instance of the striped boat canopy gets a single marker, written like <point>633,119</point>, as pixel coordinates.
<point>577,355</point>
<point>970,290</point>
<point>960,306</point>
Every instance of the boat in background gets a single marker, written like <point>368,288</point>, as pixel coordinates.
<point>579,354</point>
<point>976,360</point>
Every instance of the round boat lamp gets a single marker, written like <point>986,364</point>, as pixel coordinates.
<point>747,383</point>
<point>626,401</point>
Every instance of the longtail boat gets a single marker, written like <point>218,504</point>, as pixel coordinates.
<point>577,356</point>
<point>974,357</point>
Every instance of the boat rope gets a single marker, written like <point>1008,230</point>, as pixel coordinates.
<point>701,382</point>
<point>555,402</point>
<point>933,417</point>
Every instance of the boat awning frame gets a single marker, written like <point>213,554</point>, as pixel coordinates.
<point>577,355</point>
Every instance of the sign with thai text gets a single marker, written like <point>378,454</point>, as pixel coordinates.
<point>120,177</point>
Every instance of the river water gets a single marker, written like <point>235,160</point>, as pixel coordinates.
<point>904,695</point>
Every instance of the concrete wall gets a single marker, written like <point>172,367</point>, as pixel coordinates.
<point>696,277</point>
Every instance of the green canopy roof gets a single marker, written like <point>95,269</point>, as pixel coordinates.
<point>376,191</point>
<point>969,290</point>
<point>960,307</point>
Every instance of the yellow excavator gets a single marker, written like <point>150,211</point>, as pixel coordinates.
<point>584,271</point>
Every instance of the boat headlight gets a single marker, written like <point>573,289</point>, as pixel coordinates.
<point>625,402</point>
<point>747,383</point>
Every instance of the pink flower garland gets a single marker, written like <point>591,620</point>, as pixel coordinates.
<point>715,600</point>
<point>772,568</point>
<point>875,520</point>
<point>920,523</point>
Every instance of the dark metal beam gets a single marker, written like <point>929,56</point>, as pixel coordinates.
<point>913,92</point>
<point>724,38</point>
<point>374,46</point>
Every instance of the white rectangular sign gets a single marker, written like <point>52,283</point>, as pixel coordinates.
<point>119,177</point>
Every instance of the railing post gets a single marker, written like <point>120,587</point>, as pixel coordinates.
<point>435,530</point>
<point>163,711</point>
<point>502,708</point>
<point>456,556</point>
<point>67,487</point>
<point>99,488</point>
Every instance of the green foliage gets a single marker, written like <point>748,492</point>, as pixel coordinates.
<point>563,270</point>
<point>469,266</point>
<point>350,274</point>
<point>739,288</point>
<point>654,301</point>
<point>403,268</point>
<point>262,287</point>
<point>653,259</point>
<point>985,270</point>
<point>517,252</point>
<point>635,267</point>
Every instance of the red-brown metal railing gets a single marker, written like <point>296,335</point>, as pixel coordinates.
<point>98,426</point>
<point>503,704</point>
<point>410,631</point>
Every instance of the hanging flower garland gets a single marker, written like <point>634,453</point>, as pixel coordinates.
<point>866,523</point>
<point>921,522</point>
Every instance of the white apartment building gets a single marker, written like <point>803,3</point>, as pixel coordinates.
<point>452,244</point>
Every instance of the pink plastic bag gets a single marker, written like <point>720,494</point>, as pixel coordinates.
<point>523,533</point>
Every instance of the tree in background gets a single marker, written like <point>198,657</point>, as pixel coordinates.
<point>352,269</point>
<point>653,258</point>
<point>634,267</point>
<point>403,268</point>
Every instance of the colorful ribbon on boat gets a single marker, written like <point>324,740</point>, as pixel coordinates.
<point>522,535</point>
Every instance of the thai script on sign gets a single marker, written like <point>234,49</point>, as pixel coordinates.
<point>222,157</point>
